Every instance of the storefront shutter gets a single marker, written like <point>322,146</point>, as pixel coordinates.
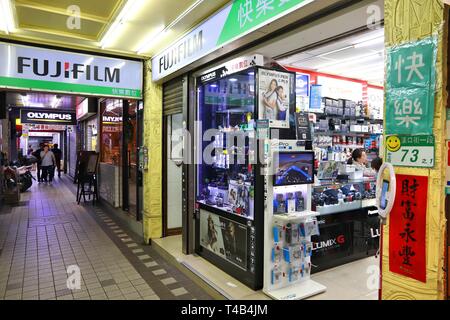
<point>173,96</point>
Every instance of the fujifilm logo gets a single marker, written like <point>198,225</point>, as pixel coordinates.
<point>49,116</point>
<point>180,52</point>
<point>67,70</point>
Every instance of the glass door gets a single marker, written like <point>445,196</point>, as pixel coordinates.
<point>173,174</point>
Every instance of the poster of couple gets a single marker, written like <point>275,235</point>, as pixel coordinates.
<point>274,97</point>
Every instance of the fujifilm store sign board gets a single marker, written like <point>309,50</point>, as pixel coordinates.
<point>39,69</point>
<point>236,20</point>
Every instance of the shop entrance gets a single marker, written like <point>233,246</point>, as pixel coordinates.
<point>74,123</point>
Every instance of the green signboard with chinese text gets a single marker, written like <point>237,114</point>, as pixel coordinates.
<point>410,87</point>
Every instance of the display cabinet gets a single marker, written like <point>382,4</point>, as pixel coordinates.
<point>229,185</point>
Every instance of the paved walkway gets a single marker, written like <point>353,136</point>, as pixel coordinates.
<point>47,232</point>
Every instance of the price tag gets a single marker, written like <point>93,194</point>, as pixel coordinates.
<point>410,151</point>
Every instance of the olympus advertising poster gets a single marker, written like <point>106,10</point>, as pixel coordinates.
<point>224,237</point>
<point>274,97</point>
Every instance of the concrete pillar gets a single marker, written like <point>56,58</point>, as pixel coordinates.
<point>152,213</point>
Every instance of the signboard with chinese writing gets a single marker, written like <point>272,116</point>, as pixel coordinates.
<point>407,228</point>
<point>62,71</point>
<point>410,151</point>
<point>410,89</point>
<point>235,20</point>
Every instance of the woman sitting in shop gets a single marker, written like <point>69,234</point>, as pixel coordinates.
<point>359,160</point>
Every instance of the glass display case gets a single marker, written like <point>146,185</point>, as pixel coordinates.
<point>331,197</point>
<point>226,179</point>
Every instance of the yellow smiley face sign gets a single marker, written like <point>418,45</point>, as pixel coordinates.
<point>393,143</point>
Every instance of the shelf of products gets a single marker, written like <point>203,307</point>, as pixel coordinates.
<point>334,197</point>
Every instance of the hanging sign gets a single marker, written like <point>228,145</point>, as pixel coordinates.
<point>410,151</point>
<point>411,85</point>
<point>407,228</point>
<point>47,116</point>
<point>62,71</point>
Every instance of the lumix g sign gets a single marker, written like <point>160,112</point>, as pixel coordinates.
<point>61,71</point>
<point>45,116</point>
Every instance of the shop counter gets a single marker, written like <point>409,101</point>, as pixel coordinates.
<point>348,231</point>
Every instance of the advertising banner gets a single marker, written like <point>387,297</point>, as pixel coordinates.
<point>407,228</point>
<point>234,21</point>
<point>410,89</point>
<point>47,116</point>
<point>34,68</point>
<point>224,237</point>
<point>274,97</point>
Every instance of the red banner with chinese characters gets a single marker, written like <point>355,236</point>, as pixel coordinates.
<point>407,228</point>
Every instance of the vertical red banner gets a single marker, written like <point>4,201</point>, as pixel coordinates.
<point>407,228</point>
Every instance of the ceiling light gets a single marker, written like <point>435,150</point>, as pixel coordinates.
<point>154,37</point>
<point>352,60</point>
<point>370,42</point>
<point>8,23</point>
<point>121,18</point>
<point>56,102</point>
<point>233,80</point>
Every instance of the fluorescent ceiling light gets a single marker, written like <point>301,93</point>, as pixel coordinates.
<point>56,102</point>
<point>154,38</point>
<point>369,43</point>
<point>121,18</point>
<point>7,21</point>
<point>353,60</point>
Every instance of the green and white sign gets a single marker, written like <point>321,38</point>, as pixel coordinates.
<point>410,88</point>
<point>31,68</point>
<point>410,151</point>
<point>236,20</point>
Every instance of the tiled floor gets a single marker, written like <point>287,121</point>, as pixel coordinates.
<point>352,281</point>
<point>48,232</point>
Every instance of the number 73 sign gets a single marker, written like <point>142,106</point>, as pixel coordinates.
<point>410,151</point>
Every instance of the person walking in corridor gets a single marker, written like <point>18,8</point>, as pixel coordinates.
<point>37,155</point>
<point>58,156</point>
<point>48,162</point>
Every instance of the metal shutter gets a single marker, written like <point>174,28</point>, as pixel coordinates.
<point>173,96</point>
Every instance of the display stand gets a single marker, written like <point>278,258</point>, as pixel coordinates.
<point>288,247</point>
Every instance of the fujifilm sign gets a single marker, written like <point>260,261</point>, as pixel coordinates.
<point>61,71</point>
<point>57,69</point>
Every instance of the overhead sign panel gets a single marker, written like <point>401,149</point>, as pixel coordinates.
<point>47,116</point>
<point>236,20</point>
<point>34,68</point>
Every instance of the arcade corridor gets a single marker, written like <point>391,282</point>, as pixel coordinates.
<point>48,231</point>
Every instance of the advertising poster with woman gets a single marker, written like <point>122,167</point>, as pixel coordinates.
<point>274,97</point>
<point>224,237</point>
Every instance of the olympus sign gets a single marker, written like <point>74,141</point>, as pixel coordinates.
<point>51,116</point>
<point>31,115</point>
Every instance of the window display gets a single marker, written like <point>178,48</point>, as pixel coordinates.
<point>227,114</point>
<point>111,131</point>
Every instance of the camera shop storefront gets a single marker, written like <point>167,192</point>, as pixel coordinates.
<point>227,96</point>
<point>103,97</point>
